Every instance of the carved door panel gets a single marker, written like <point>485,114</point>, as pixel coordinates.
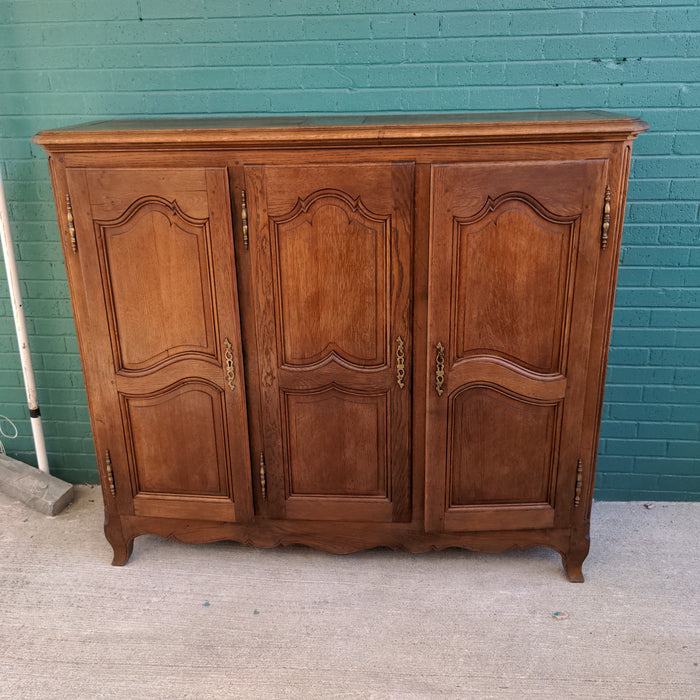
<point>331,260</point>
<point>161,340</point>
<point>513,259</point>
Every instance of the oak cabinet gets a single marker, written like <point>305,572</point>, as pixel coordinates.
<point>346,332</point>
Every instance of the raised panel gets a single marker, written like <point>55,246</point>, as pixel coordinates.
<point>336,443</point>
<point>331,265</point>
<point>501,448</point>
<point>512,282</point>
<point>176,440</point>
<point>512,271</point>
<point>156,267</point>
<point>332,256</point>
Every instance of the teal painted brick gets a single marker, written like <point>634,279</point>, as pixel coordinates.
<point>634,277</point>
<point>672,395</point>
<point>539,73</point>
<point>508,49</point>
<point>171,9</point>
<point>584,46</point>
<point>628,356</point>
<point>661,465</point>
<point>423,51</point>
<point>651,45</point>
<point>635,447</point>
<point>686,412</point>
<point>631,317</point>
<point>681,318</point>
<point>656,144</point>
<point>630,482</point>
<point>680,212</point>
<point>648,189</point>
<point>485,99</point>
<point>688,449</point>
<point>666,166</point>
<point>688,375</point>
<point>677,19</point>
<point>669,431</point>
<point>637,296</point>
<point>63,61</point>
<point>623,392</point>
<point>578,97</point>
<point>355,52</point>
<point>688,339</point>
<point>640,234</point>
<point>618,429</point>
<point>647,337</point>
<point>679,235</point>
<point>685,189</point>
<point>685,484</point>
<point>650,255</point>
<point>678,358</point>
<point>690,96</point>
<point>490,24</point>
<point>633,20</point>
<point>685,144</point>
<point>688,119</point>
<point>640,412</point>
<point>615,463</point>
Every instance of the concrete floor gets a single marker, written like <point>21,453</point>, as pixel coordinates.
<point>227,621</point>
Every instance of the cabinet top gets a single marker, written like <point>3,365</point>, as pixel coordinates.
<point>338,130</point>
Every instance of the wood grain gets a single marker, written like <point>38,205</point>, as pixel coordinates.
<point>312,352</point>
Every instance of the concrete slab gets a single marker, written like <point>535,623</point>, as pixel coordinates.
<point>227,621</point>
<point>38,490</point>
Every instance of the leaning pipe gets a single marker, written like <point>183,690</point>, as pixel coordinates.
<point>21,328</point>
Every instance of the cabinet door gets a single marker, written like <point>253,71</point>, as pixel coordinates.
<point>331,260</point>
<point>159,329</point>
<point>513,258</point>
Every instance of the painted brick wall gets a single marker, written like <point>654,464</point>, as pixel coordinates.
<point>64,61</point>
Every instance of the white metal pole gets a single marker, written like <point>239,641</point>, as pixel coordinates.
<point>8,252</point>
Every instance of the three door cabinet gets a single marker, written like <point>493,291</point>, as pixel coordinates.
<point>346,332</point>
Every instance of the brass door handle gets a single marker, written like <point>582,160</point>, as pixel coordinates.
<point>400,362</point>
<point>228,360</point>
<point>439,369</point>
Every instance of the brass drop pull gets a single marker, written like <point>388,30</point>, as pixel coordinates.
<point>110,475</point>
<point>606,219</point>
<point>579,484</point>
<point>263,479</point>
<point>244,219</point>
<point>71,225</point>
<point>439,369</point>
<point>228,361</point>
<point>400,362</point>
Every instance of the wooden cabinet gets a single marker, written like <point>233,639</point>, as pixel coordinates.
<point>346,332</point>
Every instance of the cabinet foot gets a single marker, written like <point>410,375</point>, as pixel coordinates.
<point>573,566</point>
<point>121,546</point>
<point>122,552</point>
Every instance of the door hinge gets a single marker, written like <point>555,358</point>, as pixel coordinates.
<point>244,219</point>
<point>110,475</point>
<point>263,479</point>
<point>71,225</point>
<point>606,219</point>
<point>579,484</point>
